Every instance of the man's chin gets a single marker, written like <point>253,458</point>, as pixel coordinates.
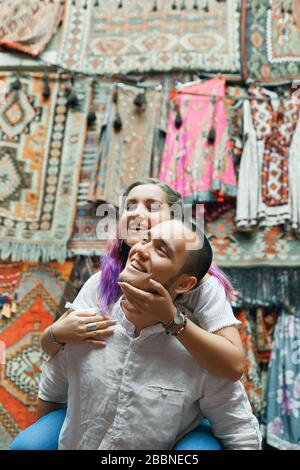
<point>140,281</point>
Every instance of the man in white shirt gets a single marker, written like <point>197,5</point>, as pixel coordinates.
<point>144,390</point>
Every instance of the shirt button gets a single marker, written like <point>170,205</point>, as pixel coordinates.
<point>164,393</point>
<point>122,396</point>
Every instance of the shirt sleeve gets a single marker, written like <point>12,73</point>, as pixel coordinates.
<point>53,386</point>
<point>213,310</point>
<point>227,407</point>
<point>88,294</point>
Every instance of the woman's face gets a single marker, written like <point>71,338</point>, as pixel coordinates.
<point>145,206</point>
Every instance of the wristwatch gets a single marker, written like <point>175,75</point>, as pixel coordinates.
<point>179,320</point>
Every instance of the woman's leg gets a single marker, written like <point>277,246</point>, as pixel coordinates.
<point>201,438</point>
<point>42,435</point>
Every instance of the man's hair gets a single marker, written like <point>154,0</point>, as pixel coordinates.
<point>198,260</point>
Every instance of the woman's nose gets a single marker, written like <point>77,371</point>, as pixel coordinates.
<point>139,212</point>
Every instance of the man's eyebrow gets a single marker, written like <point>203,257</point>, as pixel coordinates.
<point>168,246</point>
<point>164,243</point>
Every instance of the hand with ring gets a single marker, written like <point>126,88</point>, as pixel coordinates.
<point>83,327</point>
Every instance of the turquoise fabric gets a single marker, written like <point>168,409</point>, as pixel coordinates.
<point>44,434</point>
<point>282,398</point>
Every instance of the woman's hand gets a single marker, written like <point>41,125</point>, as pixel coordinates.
<point>156,306</point>
<point>73,329</point>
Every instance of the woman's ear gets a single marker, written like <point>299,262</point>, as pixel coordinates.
<point>184,283</point>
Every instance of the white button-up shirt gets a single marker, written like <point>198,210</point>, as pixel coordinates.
<point>142,392</point>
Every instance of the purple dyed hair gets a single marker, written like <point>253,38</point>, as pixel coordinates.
<point>114,260</point>
<point>224,280</point>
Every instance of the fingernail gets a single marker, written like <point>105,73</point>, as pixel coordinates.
<point>152,281</point>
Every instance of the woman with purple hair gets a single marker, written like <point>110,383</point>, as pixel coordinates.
<point>213,341</point>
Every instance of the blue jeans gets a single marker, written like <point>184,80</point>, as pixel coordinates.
<point>43,435</point>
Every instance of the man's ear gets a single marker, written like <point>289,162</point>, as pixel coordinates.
<point>184,283</point>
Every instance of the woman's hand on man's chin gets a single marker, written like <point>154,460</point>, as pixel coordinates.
<point>157,306</point>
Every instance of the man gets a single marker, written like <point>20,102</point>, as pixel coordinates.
<point>144,390</point>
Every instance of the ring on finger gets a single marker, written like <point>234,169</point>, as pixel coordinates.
<point>91,327</point>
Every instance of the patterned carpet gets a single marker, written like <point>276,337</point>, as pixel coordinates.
<point>105,39</point>
<point>40,290</point>
<point>41,142</point>
<point>28,26</point>
<point>269,246</point>
<point>271,41</point>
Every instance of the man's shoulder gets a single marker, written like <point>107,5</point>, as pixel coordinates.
<point>72,350</point>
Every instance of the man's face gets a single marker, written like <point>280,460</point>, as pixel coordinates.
<point>160,256</point>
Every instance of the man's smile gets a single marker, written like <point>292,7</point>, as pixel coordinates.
<point>136,265</point>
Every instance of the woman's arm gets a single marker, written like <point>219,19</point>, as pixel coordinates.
<point>48,346</point>
<point>220,353</point>
<point>71,327</point>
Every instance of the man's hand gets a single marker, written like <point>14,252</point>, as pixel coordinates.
<point>157,306</point>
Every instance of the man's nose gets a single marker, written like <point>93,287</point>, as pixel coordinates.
<point>142,250</point>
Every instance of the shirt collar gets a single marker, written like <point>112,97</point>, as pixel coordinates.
<point>130,327</point>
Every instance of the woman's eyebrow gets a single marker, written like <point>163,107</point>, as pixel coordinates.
<point>144,200</point>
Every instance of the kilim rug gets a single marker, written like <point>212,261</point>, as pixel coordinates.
<point>133,151</point>
<point>85,238</point>
<point>147,35</point>
<point>271,41</point>
<point>39,290</point>
<point>269,246</point>
<point>100,102</point>
<point>266,286</point>
<point>28,26</point>
<point>41,146</point>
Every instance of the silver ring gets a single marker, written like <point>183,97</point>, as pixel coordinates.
<point>91,327</point>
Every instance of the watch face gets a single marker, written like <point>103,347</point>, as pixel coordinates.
<point>179,318</point>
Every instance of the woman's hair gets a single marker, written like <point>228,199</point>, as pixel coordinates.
<point>224,280</point>
<point>114,260</point>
